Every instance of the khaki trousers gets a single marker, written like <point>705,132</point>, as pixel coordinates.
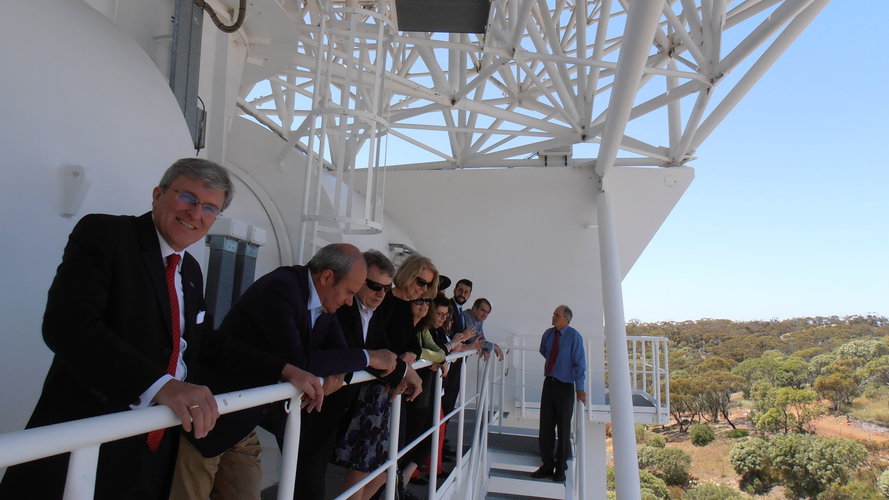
<point>234,475</point>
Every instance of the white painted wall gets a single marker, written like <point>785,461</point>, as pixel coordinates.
<point>75,92</point>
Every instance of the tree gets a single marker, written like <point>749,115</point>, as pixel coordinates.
<point>716,389</point>
<point>701,434</point>
<point>807,464</point>
<point>670,464</point>
<point>713,363</point>
<point>838,388</point>
<point>786,409</point>
<point>685,396</point>
<point>866,349</point>
<point>750,459</point>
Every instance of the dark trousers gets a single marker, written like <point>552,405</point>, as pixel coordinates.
<point>556,409</point>
<point>127,469</point>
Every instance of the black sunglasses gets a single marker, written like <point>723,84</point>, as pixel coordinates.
<point>422,301</point>
<point>376,287</point>
<point>423,283</point>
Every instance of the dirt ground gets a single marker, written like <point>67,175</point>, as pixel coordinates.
<point>830,425</point>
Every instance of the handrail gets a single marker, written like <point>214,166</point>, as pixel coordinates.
<point>83,437</point>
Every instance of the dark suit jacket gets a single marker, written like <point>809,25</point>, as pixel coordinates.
<point>107,320</point>
<point>350,319</point>
<point>272,316</point>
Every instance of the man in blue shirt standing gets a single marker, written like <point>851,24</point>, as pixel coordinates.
<point>565,371</point>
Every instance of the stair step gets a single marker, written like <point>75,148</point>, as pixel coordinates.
<point>513,461</point>
<point>524,488</point>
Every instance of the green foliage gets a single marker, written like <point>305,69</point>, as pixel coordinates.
<point>640,434</point>
<point>786,409</point>
<point>750,460</point>
<point>736,433</point>
<point>650,483</point>
<point>701,434</point>
<point>713,363</point>
<point>710,491</point>
<point>883,483</point>
<point>855,490</point>
<point>807,465</point>
<point>654,484</point>
<point>670,464</point>
<point>838,388</point>
<point>657,441</point>
<point>876,371</point>
<point>865,349</point>
<point>774,368</point>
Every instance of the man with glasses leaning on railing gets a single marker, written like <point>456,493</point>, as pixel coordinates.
<point>565,372</point>
<point>124,316</point>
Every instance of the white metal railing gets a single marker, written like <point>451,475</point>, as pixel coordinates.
<point>649,376</point>
<point>83,437</point>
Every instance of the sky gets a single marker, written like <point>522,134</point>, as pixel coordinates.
<point>787,215</point>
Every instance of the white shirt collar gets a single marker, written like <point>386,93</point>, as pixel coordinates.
<point>314,304</point>
<point>167,250</point>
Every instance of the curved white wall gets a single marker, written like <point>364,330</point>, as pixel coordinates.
<point>75,91</point>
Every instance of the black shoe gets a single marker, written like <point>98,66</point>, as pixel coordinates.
<point>559,476</point>
<point>448,452</point>
<point>542,472</point>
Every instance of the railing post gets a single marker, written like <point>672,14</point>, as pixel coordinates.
<point>524,379</point>
<point>461,422</point>
<point>436,432</point>
<point>81,481</point>
<point>290,450</point>
<point>394,423</point>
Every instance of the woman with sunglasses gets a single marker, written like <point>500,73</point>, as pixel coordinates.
<point>364,445</point>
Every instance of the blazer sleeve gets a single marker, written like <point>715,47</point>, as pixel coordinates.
<point>75,324</point>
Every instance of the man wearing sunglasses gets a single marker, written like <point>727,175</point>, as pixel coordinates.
<point>124,317</point>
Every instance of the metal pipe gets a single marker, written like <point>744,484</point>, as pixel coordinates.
<point>80,483</point>
<point>290,451</point>
<point>759,68</point>
<point>626,467</point>
<point>394,422</point>
<point>642,18</point>
<point>436,423</point>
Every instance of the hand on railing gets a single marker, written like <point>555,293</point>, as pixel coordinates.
<point>313,393</point>
<point>382,359</point>
<point>193,404</point>
<point>581,396</point>
<point>411,385</point>
<point>333,383</point>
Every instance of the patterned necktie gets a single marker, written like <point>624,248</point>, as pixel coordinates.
<point>553,354</point>
<point>155,437</point>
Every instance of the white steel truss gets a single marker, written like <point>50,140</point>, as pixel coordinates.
<point>539,83</point>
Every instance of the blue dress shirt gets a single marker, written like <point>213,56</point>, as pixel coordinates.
<point>570,365</point>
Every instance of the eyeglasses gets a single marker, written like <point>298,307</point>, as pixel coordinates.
<point>423,283</point>
<point>422,301</point>
<point>207,209</point>
<point>376,287</point>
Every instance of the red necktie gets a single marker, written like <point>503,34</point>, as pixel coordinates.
<point>155,437</point>
<point>553,354</point>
